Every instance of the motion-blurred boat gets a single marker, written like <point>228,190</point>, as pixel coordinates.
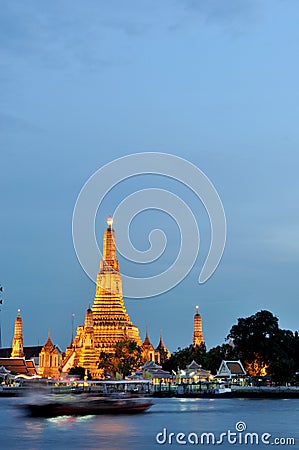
<point>55,405</point>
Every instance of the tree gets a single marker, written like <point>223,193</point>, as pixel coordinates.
<point>282,365</point>
<point>253,337</point>
<point>126,358</point>
<point>264,348</point>
<point>78,370</point>
<point>108,363</point>
<point>216,355</point>
<point>182,357</point>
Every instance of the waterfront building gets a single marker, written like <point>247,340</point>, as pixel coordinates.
<point>231,371</point>
<point>155,372</point>
<point>19,366</point>
<point>193,373</point>
<point>197,330</point>
<point>49,360</point>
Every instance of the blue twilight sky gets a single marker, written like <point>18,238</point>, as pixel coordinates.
<point>213,81</point>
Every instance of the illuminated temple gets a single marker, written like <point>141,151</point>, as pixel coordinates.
<point>107,321</point>
<point>197,330</point>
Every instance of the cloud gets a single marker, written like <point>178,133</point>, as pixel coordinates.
<point>220,9</point>
<point>12,124</point>
<point>61,35</point>
<point>232,16</point>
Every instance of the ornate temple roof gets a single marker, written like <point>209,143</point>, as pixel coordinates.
<point>161,345</point>
<point>230,369</point>
<point>194,365</point>
<point>49,344</point>
<point>147,342</point>
<point>18,365</point>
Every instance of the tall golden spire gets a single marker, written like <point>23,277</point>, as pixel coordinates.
<point>109,261</point>
<point>111,321</point>
<point>109,279</point>
<point>17,344</point>
<point>197,334</point>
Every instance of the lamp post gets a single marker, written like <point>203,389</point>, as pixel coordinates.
<point>73,317</point>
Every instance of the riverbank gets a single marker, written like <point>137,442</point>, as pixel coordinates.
<point>279,392</point>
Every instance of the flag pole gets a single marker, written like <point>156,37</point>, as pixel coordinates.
<point>73,316</point>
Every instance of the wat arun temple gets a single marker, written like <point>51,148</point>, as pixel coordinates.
<point>107,321</point>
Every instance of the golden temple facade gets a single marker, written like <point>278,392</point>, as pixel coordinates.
<point>107,321</point>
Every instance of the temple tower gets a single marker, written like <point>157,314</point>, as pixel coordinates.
<point>49,360</point>
<point>107,322</point>
<point>148,350</point>
<point>17,344</point>
<point>162,351</point>
<point>88,357</point>
<point>111,321</point>
<point>158,355</point>
<point>197,334</point>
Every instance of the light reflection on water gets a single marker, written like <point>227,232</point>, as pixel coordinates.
<point>138,432</point>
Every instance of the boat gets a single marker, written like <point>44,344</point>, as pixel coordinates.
<point>11,391</point>
<point>222,389</point>
<point>84,404</point>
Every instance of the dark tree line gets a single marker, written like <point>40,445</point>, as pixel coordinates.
<point>210,360</point>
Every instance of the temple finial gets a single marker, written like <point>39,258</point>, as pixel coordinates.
<point>197,309</point>
<point>19,313</point>
<point>110,222</point>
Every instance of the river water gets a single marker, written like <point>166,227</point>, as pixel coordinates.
<point>273,422</point>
